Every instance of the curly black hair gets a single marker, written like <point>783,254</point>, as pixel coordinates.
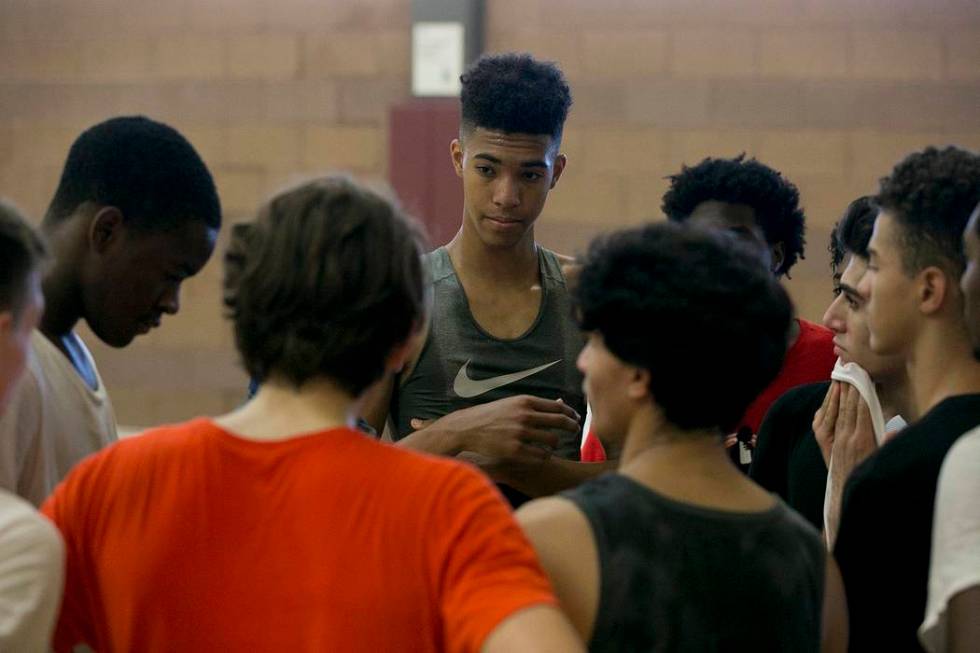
<point>516,94</point>
<point>696,308</point>
<point>852,233</point>
<point>145,168</point>
<point>773,198</point>
<point>931,195</point>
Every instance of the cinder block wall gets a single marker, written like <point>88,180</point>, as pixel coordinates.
<point>833,92</point>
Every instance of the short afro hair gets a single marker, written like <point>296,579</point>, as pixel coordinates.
<point>146,169</point>
<point>696,308</point>
<point>931,194</point>
<point>773,198</point>
<point>22,251</point>
<point>852,233</point>
<point>515,94</point>
<point>324,284</point>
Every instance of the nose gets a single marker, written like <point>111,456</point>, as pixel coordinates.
<point>832,317</point>
<point>506,193</point>
<point>170,301</point>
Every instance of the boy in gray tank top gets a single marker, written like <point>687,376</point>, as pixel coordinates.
<point>678,550</point>
<point>494,380</point>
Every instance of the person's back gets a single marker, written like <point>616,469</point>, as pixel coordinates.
<point>328,541</point>
<point>677,576</point>
<point>678,550</point>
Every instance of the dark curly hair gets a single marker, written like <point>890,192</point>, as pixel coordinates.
<point>931,195</point>
<point>22,251</point>
<point>144,168</point>
<point>324,283</point>
<point>696,308</point>
<point>516,94</point>
<point>773,198</point>
<point>852,233</point>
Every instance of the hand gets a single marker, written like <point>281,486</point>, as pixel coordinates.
<point>854,433</point>
<point>853,440</point>
<point>518,429</point>
<point>825,420</point>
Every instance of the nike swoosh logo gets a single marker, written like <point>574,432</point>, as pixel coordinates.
<point>467,388</point>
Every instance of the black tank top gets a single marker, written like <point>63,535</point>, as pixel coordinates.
<point>679,577</point>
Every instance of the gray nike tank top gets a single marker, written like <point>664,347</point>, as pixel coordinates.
<point>462,365</point>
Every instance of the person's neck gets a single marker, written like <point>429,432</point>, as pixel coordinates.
<point>655,448</point>
<point>60,286</point>
<point>895,396</point>
<point>941,364</point>
<point>515,266</point>
<point>278,411</point>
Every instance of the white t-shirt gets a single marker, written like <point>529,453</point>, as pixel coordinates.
<point>52,421</point>
<point>955,564</point>
<point>32,561</point>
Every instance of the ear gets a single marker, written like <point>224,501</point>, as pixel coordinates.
<point>639,384</point>
<point>559,167</point>
<point>456,152</point>
<point>105,228</point>
<point>933,289</point>
<point>778,253</point>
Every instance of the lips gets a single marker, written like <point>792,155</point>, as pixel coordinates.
<point>146,325</point>
<point>502,220</point>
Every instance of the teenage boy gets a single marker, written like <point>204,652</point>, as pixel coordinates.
<point>495,377</point>
<point>761,207</point>
<point>915,308</point>
<point>279,527</point>
<point>135,214</point>
<point>790,459</point>
<point>678,550</point>
<point>31,553</point>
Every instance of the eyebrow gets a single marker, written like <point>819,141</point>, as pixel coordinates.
<point>849,290</point>
<point>524,164</point>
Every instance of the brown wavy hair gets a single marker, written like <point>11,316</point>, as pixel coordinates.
<point>325,283</point>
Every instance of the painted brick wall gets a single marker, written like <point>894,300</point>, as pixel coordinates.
<point>832,92</point>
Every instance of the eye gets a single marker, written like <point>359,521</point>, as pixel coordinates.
<point>485,171</point>
<point>852,303</point>
<point>533,176</point>
<point>837,291</point>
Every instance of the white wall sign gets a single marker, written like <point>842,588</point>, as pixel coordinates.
<point>437,59</point>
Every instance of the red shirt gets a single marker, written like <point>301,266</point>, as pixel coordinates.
<point>189,538</point>
<point>809,360</point>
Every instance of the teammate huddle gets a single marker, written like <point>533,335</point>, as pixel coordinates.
<point>288,524</point>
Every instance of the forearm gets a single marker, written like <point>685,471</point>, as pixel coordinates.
<point>433,440</point>
<point>557,474</point>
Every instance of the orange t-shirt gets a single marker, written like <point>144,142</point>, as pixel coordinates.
<point>189,538</point>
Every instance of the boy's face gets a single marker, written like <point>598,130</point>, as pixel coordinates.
<point>15,336</point>
<point>739,220</point>
<point>506,180</point>
<point>892,298</point>
<point>136,275</point>
<point>847,317</point>
<point>607,384</point>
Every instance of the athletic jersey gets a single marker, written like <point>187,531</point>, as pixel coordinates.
<point>461,365</point>
<point>679,577</point>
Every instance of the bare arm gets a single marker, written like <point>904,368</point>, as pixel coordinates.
<point>834,628</point>
<point>563,540</point>
<point>557,474</point>
<point>963,625</point>
<point>538,629</point>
